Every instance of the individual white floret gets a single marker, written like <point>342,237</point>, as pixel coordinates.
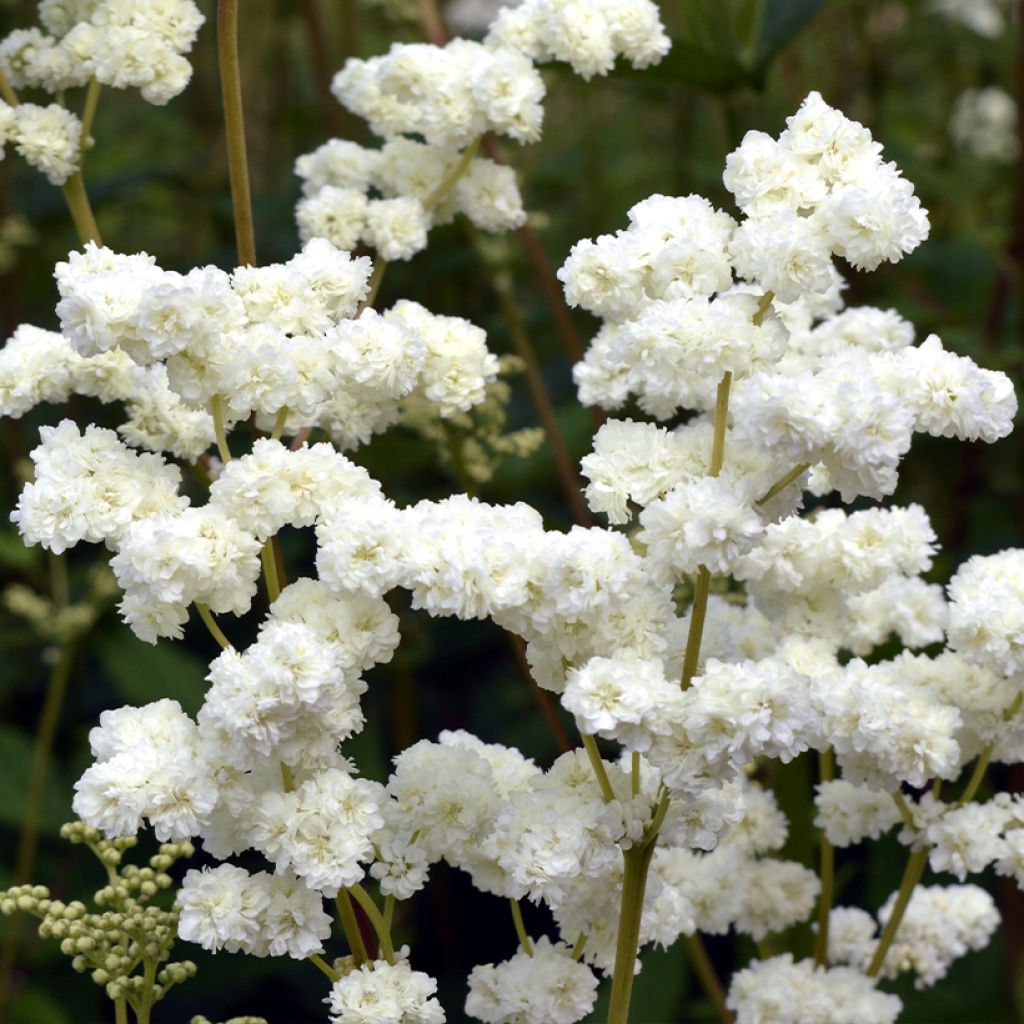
<point>337,214</point>
<point>777,894</point>
<point>166,562</point>
<point>850,814</point>
<point>986,611</point>
<point>91,487</point>
<point>704,522</point>
<point>157,417</point>
<point>546,986</point>
<point>362,631</point>
<point>222,908</point>
<point>876,221</point>
<point>383,993</point>
<point>764,176</point>
<point>965,840</point>
<point>49,138</point>
<point>488,194</point>
<point>785,254</point>
<point>377,353</point>
<point>361,548</point>
<point>624,699</point>
<point>950,395</point>
<point>905,605</point>
<point>322,830</point>
<point>146,767</point>
<point>883,731</point>
<point>340,164</point>
<point>396,228</point>
<point>457,366</point>
<point>35,366</point>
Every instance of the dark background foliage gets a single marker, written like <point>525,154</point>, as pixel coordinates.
<point>157,178</point>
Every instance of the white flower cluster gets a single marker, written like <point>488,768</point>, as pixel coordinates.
<point>986,17</point>
<point>48,138</point>
<point>384,992</point>
<point>814,407</point>
<point>280,340</point>
<point>126,44</point>
<point>450,95</point>
<point>263,915</point>
<point>588,36</point>
<point>781,989</point>
<point>546,984</point>
<point>410,179</point>
<point>984,122</point>
<point>941,924</point>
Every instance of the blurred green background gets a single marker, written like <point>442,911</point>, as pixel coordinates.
<point>157,178</point>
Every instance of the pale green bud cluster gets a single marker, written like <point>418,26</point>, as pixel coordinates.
<point>57,622</point>
<point>126,934</point>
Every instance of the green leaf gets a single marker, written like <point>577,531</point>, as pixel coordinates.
<point>13,553</point>
<point>728,44</point>
<point>35,1006</point>
<point>781,21</point>
<point>143,673</point>
<point>16,757</point>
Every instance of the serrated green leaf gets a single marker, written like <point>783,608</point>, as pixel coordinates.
<point>16,757</point>
<point>143,673</point>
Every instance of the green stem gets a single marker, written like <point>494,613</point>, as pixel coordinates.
<point>287,778</point>
<point>431,22</point>
<point>120,1012</point>
<point>8,95</point>
<point>634,773</point>
<point>708,976</point>
<point>80,209</point>
<point>764,305</point>
<point>389,911</point>
<point>282,418</point>
<point>28,836</point>
<point>985,758</point>
<point>636,864</point>
<point>234,128</point>
<point>539,395</point>
<point>594,754</point>
<point>456,451</point>
<point>581,945</point>
<point>376,919</point>
<point>217,411</point>
<point>698,613</point>
<point>319,961</point>
<point>211,624</point>
<point>783,482</point>
<point>911,876</point>
<point>92,99</point>
<point>826,770</point>
<point>905,813</point>
<point>517,920</point>
<point>347,916</point>
<point>449,181</point>
<point>379,268</point>
<point>145,1007</point>
<point>269,559</point>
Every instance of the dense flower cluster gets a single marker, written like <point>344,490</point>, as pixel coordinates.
<point>741,323</point>
<point>126,44</point>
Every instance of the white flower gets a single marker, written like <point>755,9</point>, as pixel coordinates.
<point>546,986</point>
<point>383,993</point>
